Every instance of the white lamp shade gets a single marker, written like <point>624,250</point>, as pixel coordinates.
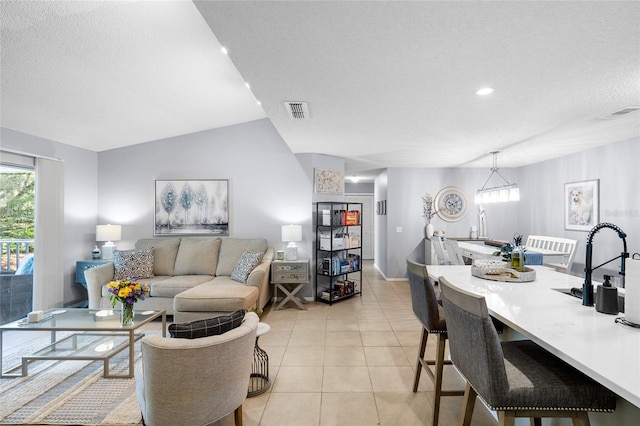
<point>291,233</point>
<point>108,232</point>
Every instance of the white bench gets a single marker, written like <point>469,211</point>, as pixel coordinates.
<point>554,247</point>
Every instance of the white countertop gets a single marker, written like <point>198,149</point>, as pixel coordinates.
<point>590,341</point>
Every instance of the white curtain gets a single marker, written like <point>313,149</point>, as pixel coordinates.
<point>48,277</point>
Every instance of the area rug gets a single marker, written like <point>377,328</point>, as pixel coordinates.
<point>70,393</point>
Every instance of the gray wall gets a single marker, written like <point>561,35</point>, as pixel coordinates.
<point>80,200</point>
<point>268,187</point>
<point>539,212</point>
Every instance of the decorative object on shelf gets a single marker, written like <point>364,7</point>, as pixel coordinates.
<point>428,212</point>
<point>497,194</point>
<point>581,205</point>
<point>451,204</point>
<point>329,181</point>
<point>127,292</point>
<point>187,207</point>
<point>95,253</point>
<point>291,234</point>
<point>109,234</point>
<point>280,255</point>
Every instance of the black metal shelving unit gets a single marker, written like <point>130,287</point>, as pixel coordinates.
<point>338,262</point>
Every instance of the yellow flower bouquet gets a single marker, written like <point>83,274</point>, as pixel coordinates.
<point>127,291</point>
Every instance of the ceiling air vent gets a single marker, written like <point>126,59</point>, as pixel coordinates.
<point>297,110</point>
<point>623,111</point>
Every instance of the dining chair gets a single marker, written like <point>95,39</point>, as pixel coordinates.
<point>430,313</point>
<point>438,246</point>
<point>453,252</point>
<point>515,378</point>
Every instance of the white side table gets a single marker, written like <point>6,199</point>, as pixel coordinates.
<point>259,378</point>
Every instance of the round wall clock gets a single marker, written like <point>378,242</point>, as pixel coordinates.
<point>451,204</point>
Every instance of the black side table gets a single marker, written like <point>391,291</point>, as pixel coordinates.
<point>259,379</point>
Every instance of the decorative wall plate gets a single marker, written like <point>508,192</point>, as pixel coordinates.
<point>451,204</point>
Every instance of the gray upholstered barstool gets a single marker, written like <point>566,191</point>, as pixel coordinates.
<point>536,384</point>
<point>429,312</point>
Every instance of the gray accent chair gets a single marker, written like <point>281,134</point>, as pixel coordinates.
<point>516,378</point>
<point>430,313</point>
<point>196,381</point>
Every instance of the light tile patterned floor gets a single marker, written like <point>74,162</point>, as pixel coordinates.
<point>350,364</point>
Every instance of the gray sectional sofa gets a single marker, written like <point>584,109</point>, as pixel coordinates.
<point>191,277</point>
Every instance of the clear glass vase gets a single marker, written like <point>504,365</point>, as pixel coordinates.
<point>517,259</point>
<point>126,315</point>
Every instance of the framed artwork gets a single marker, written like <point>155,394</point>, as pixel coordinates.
<point>188,207</point>
<point>581,205</point>
<point>329,181</point>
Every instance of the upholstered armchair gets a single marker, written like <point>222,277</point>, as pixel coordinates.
<point>196,381</point>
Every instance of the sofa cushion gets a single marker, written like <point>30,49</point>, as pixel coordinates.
<point>164,253</point>
<point>248,260</point>
<point>207,327</point>
<point>220,295</point>
<point>197,256</point>
<point>232,248</point>
<point>133,263</point>
<point>173,286</point>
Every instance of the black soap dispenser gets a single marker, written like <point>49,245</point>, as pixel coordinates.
<point>607,297</point>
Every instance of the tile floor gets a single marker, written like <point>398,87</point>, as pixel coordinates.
<point>351,363</point>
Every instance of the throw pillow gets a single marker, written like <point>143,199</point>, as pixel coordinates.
<point>133,263</point>
<point>248,260</point>
<point>207,327</point>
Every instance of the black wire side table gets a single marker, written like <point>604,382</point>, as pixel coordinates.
<point>259,379</point>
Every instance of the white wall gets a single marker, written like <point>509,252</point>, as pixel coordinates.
<point>80,200</point>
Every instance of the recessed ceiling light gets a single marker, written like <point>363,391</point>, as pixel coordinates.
<point>484,91</point>
<point>224,50</point>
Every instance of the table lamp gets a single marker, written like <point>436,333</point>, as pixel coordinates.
<point>291,234</point>
<point>108,233</point>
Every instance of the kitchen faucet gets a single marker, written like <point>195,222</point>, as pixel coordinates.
<point>587,287</point>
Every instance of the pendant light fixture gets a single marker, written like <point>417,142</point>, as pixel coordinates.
<point>497,194</point>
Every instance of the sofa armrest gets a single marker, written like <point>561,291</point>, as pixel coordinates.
<point>96,278</point>
<point>259,277</point>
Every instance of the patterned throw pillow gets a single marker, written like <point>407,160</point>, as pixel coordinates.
<point>207,327</point>
<point>248,260</point>
<point>133,263</point>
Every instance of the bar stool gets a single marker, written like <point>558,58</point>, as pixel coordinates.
<point>431,315</point>
<point>536,384</point>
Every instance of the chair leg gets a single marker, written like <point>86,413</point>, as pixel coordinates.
<point>506,418</point>
<point>423,346</point>
<point>581,419</point>
<point>237,416</point>
<point>441,341</point>
<point>467,405</point>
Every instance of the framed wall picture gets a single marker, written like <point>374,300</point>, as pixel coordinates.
<point>188,207</point>
<point>329,181</point>
<point>581,205</point>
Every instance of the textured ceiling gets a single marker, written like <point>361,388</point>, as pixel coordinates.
<point>388,84</point>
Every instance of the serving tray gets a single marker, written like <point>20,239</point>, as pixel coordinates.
<point>503,274</point>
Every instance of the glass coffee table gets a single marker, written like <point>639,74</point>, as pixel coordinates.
<point>96,335</point>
